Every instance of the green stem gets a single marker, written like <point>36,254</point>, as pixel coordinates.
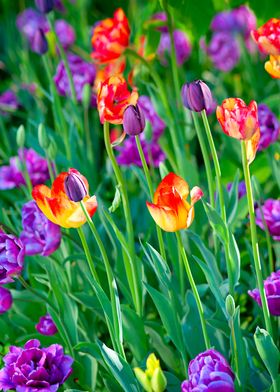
<point>88,254</point>
<point>150,185</point>
<point>255,247</point>
<point>234,350</point>
<point>110,277</point>
<point>194,290</point>
<point>132,272</point>
<point>221,196</point>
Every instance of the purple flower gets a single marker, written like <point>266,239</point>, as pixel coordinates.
<point>269,126</point>
<point>65,32</point>
<point>182,47</point>
<point>8,101</point>
<point>6,300</point>
<point>223,50</point>
<point>39,235</point>
<point>272,292</point>
<point>37,168</point>
<point>158,125</point>
<point>82,72</point>
<point>46,326</point>
<point>241,189</point>
<point>11,257</point>
<point>271,213</point>
<point>161,16</point>
<point>209,371</point>
<point>34,369</point>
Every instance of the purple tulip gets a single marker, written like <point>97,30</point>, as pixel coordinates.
<point>269,126</point>
<point>158,125</point>
<point>39,235</point>
<point>181,43</point>
<point>241,189</point>
<point>65,33</point>
<point>6,300</point>
<point>75,187</point>
<point>44,6</point>
<point>37,168</point>
<point>29,21</point>
<point>197,96</point>
<point>8,102</point>
<point>34,369</point>
<point>40,43</point>
<point>46,326</point>
<point>161,16</point>
<point>209,371</point>
<point>11,257</point>
<point>271,213</point>
<point>133,120</point>
<point>82,72</point>
<point>272,292</point>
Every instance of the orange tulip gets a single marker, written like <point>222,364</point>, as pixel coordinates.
<point>110,38</point>
<point>268,37</point>
<point>170,209</point>
<point>57,207</point>
<point>273,66</point>
<point>113,98</point>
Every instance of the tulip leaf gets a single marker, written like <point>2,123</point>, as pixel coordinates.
<point>216,222</point>
<point>268,351</point>
<point>116,201</point>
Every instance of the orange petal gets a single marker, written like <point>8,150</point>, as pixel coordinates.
<point>77,218</point>
<point>252,146</point>
<point>172,180</point>
<point>164,217</point>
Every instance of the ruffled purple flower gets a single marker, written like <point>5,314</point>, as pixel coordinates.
<point>37,168</point>
<point>82,72</point>
<point>182,47</point>
<point>65,33</point>
<point>269,126</point>
<point>241,188</point>
<point>11,257</point>
<point>46,326</point>
<point>223,50</point>
<point>271,214</point>
<point>8,102</point>
<point>34,369</point>
<point>209,371</point>
<point>6,300</point>
<point>158,125</point>
<point>272,292</point>
<point>39,235</point>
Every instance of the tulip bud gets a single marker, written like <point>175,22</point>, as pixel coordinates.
<point>133,120</point>
<point>197,96</point>
<point>6,300</point>
<point>86,95</point>
<point>20,136</point>
<point>230,305</point>
<point>40,43</point>
<point>44,6</point>
<point>143,379</point>
<point>43,137</point>
<point>158,381</point>
<point>75,187</point>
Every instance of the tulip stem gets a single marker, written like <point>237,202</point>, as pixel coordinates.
<point>150,185</point>
<point>254,240</point>
<point>88,254</point>
<point>194,290</point>
<point>111,282</point>
<point>221,196</point>
<point>132,271</point>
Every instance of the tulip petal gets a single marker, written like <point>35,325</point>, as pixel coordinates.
<point>77,218</point>
<point>164,217</point>
<point>252,146</point>
<point>172,180</point>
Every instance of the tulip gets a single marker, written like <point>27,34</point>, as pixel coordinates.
<point>6,300</point>
<point>169,209</point>
<point>113,98</point>
<point>197,96</point>
<point>133,120</point>
<point>40,43</point>
<point>153,378</point>
<point>268,37</point>
<point>11,257</point>
<point>271,214</point>
<point>57,207</point>
<point>269,126</point>
<point>44,6</point>
<point>110,38</point>
<point>75,187</point>
<point>273,66</point>
<point>46,326</point>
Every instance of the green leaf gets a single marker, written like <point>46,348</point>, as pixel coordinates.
<point>116,201</point>
<point>216,222</point>
<point>88,348</point>
<point>268,351</point>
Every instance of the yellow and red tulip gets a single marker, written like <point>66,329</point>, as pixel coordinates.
<point>57,207</point>
<point>273,66</point>
<point>110,38</point>
<point>268,37</point>
<point>170,209</point>
<point>113,98</point>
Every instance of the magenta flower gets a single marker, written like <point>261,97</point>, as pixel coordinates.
<point>182,47</point>
<point>271,213</point>
<point>209,371</point>
<point>6,300</point>
<point>65,33</point>
<point>82,72</point>
<point>269,126</point>
<point>272,292</point>
<point>39,235</point>
<point>8,102</point>
<point>11,257</point>
<point>46,326</point>
<point>37,168</point>
<point>158,125</point>
<point>34,369</point>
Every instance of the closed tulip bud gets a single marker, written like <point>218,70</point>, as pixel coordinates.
<point>40,43</point>
<point>43,137</point>
<point>86,95</point>
<point>197,96</point>
<point>133,120</point>
<point>21,136</point>
<point>75,187</point>
<point>44,6</point>
<point>158,381</point>
<point>230,305</point>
